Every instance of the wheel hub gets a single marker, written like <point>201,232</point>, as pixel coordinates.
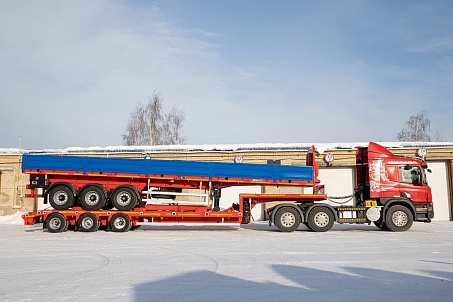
<point>321,219</point>
<point>87,223</point>
<point>61,198</point>
<point>288,219</point>
<point>399,218</point>
<point>55,223</point>
<point>92,198</point>
<point>120,223</point>
<point>124,199</point>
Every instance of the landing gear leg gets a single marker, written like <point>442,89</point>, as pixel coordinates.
<point>216,196</point>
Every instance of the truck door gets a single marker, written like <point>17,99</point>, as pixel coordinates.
<point>413,184</point>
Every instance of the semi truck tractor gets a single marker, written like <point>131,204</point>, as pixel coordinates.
<point>87,193</point>
<point>390,191</point>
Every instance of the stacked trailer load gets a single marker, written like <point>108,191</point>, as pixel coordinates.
<point>119,193</point>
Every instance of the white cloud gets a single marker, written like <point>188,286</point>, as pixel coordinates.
<point>84,65</point>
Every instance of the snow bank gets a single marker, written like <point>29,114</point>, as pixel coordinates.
<point>12,219</point>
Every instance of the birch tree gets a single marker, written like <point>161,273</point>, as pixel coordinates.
<point>416,129</point>
<point>148,125</point>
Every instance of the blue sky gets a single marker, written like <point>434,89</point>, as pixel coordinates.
<point>242,71</point>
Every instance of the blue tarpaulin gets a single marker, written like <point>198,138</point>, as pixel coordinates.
<point>149,167</point>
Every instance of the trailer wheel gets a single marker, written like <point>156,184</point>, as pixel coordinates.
<point>399,219</point>
<point>124,198</point>
<point>88,223</point>
<point>92,198</point>
<point>320,219</point>
<point>56,223</point>
<point>287,219</point>
<point>61,197</point>
<point>120,223</point>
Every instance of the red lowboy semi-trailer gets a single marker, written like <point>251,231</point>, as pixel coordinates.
<point>118,194</point>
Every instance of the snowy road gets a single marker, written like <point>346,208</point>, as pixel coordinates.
<point>227,263</point>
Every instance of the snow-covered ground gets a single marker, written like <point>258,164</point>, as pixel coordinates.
<point>12,219</point>
<point>227,263</point>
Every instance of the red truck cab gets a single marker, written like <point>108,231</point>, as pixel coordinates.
<point>388,180</point>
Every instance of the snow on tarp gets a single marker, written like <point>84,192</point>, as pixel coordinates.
<point>321,148</point>
<point>12,219</point>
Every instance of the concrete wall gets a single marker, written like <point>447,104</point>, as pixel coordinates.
<point>12,186</point>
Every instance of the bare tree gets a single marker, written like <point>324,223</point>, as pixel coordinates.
<point>149,126</point>
<point>438,137</point>
<point>416,129</point>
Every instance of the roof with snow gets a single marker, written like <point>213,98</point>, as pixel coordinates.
<point>321,148</point>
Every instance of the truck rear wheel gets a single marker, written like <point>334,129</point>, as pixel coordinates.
<point>320,219</point>
<point>124,198</point>
<point>399,218</point>
<point>61,197</point>
<point>92,198</point>
<point>120,223</point>
<point>88,223</point>
<point>287,219</point>
<point>56,223</point>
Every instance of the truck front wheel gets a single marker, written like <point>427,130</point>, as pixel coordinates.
<point>320,219</point>
<point>399,218</point>
<point>287,219</point>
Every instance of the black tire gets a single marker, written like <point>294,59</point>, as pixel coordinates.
<point>287,219</point>
<point>92,198</point>
<point>61,197</point>
<point>398,218</point>
<point>124,198</point>
<point>133,228</point>
<point>88,223</point>
<point>108,206</point>
<point>56,223</point>
<point>120,223</point>
<point>381,224</point>
<point>320,219</point>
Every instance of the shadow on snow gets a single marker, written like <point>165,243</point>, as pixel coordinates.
<point>294,283</point>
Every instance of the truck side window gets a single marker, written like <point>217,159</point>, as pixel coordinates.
<point>411,175</point>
